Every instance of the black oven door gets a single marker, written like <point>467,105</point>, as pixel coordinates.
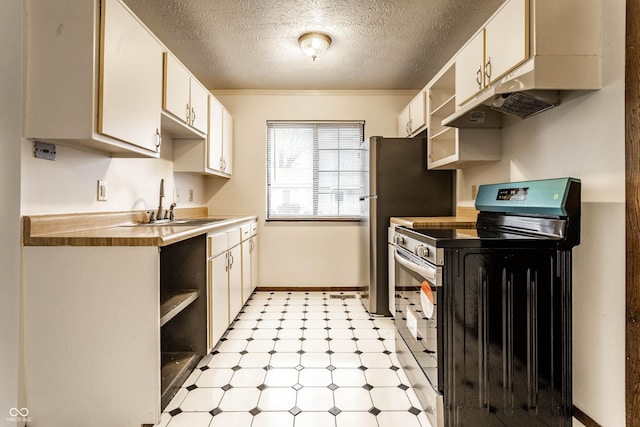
<point>417,322</point>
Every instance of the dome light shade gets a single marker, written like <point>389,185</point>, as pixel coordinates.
<point>314,44</point>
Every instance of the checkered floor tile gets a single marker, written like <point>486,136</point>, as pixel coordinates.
<point>300,359</point>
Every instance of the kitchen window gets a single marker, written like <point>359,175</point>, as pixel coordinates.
<point>315,170</point>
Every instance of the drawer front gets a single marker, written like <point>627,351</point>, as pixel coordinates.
<point>234,237</point>
<point>217,243</point>
<point>246,232</point>
<point>254,228</point>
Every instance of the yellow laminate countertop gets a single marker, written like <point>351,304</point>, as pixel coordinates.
<point>465,217</point>
<point>119,229</point>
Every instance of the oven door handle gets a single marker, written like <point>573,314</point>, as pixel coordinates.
<point>428,273</point>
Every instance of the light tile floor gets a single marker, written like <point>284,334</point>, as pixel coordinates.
<point>300,359</point>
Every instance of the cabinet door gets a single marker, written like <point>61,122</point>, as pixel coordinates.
<point>469,74</point>
<point>199,106</point>
<point>246,270</point>
<point>417,112</point>
<point>235,282</point>
<point>403,123</point>
<point>131,79</point>
<point>254,263</point>
<point>218,297</point>
<point>227,142</point>
<point>177,81</point>
<point>214,137</point>
<point>507,40</point>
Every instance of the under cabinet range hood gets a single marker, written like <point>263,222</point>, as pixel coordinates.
<point>525,103</point>
<point>528,90</point>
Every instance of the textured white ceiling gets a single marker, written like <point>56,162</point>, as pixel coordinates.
<point>252,44</point>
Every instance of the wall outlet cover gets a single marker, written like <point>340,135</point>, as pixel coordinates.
<point>102,191</point>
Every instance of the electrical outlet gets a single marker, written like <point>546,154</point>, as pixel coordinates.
<point>191,195</point>
<point>474,191</point>
<point>102,191</point>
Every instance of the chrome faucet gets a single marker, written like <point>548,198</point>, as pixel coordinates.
<point>159,214</point>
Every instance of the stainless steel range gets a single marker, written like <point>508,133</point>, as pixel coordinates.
<point>484,315</point>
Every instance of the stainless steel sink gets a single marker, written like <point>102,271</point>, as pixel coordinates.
<point>178,222</point>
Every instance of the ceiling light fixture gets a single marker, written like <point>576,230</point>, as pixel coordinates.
<point>314,44</point>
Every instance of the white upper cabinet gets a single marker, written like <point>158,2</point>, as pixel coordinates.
<point>131,77</point>
<point>413,117</point>
<point>214,159</point>
<point>496,49</point>
<point>404,123</point>
<point>184,96</point>
<point>212,155</point>
<point>227,142</point>
<point>469,69</point>
<point>506,40</point>
<point>93,77</point>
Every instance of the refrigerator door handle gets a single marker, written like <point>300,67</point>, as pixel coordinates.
<point>372,196</point>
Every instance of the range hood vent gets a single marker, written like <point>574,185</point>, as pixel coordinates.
<point>530,89</point>
<point>525,104</point>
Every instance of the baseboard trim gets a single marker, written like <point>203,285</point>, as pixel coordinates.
<point>307,289</point>
<point>584,418</point>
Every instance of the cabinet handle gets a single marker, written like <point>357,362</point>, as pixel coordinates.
<point>479,77</point>
<point>158,140</point>
<point>226,267</point>
<point>487,70</point>
<point>251,246</point>
<point>193,116</point>
<point>231,257</point>
<point>188,114</point>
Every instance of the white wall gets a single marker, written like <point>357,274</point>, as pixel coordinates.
<point>10,131</point>
<point>296,253</point>
<point>69,184</point>
<point>584,138</point>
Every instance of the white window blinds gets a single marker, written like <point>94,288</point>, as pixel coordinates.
<point>315,170</point>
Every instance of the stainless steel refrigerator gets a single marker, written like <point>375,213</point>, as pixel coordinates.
<point>399,186</point>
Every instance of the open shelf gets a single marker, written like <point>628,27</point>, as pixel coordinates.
<point>176,367</point>
<point>175,302</point>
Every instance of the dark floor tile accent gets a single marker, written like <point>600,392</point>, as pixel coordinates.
<point>216,411</point>
<point>415,411</point>
<point>374,411</point>
<point>236,368</point>
<point>362,368</point>
<point>367,387</point>
<point>268,368</point>
<point>192,387</point>
<point>204,368</point>
<point>255,411</point>
<point>394,368</point>
<point>329,352</point>
<point>227,387</point>
<point>175,412</point>
<point>358,352</point>
<point>334,411</point>
<point>262,387</point>
<point>403,387</point>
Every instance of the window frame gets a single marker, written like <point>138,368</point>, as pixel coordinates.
<point>316,150</point>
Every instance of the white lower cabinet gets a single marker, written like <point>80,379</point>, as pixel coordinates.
<point>224,283</point>
<point>249,260</point>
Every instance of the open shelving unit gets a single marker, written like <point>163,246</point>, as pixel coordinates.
<point>450,147</point>
<point>183,312</point>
